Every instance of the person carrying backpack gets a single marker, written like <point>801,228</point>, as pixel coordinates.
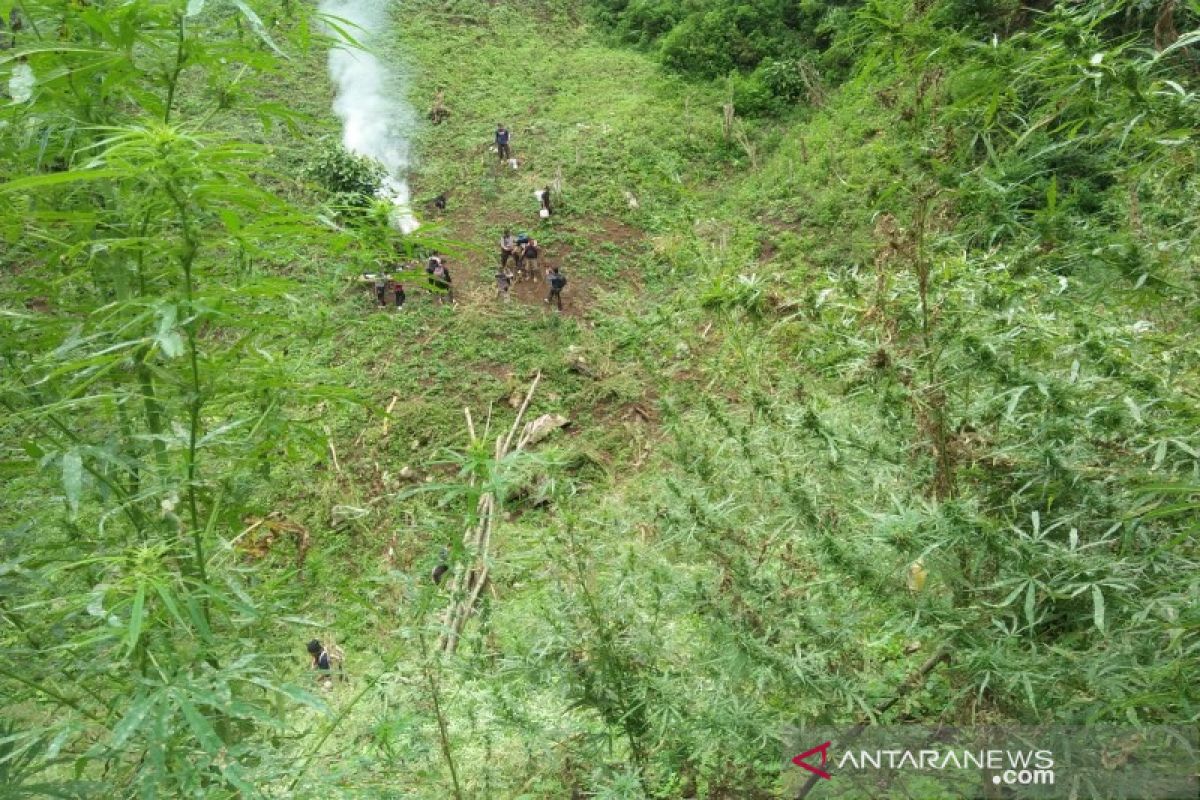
<point>557,282</point>
<point>502,148</point>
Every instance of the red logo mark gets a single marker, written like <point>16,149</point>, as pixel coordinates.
<point>800,762</point>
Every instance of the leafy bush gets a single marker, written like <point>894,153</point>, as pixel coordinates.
<point>751,97</point>
<point>354,179</point>
<point>790,79</point>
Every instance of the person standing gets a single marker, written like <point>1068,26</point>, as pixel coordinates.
<point>508,249</point>
<point>557,282</point>
<point>440,277</point>
<point>502,148</point>
<point>381,286</point>
<point>398,294</point>
<point>544,196</point>
<point>503,283</point>
<point>529,259</point>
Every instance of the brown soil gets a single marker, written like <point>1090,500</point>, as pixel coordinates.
<point>470,221</point>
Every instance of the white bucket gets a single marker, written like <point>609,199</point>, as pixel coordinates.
<point>545,212</point>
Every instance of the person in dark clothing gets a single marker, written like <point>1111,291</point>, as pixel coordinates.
<point>398,294</point>
<point>443,566</point>
<point>527,264</point>
<point>381,286</point>
<point>557,282</point>
<point>439,202</point>
<point>502,148</point>
<point>503,283</point>
<point>320,658</point>
<point>544,196</point>
<point>321,663</point>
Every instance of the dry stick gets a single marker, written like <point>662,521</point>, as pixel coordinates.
<point>332,450</point>
<point>483,544</point>
<point>252,527</point>
<point>480,536</point>
<point>455,613</point>
<point>387,419</point>
<point>457,579</point>
<point>911,682</point>
<point>521,412</point>
<point>478,575</point>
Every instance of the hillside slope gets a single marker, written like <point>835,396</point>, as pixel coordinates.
<point>900,376</point>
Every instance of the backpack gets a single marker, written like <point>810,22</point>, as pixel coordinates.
<point>558,280</point>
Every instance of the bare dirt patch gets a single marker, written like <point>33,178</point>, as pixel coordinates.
<point>470,221</point>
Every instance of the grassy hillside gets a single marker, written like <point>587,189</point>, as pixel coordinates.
<point>902,372</point>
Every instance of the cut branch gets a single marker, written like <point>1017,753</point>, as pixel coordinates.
<point>468,583</point>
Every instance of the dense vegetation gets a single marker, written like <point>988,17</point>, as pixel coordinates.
<point>879,344</point>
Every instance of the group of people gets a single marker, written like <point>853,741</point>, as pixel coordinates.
<point>439,278</point>
<point>524,253</point>
<point>521,251</point>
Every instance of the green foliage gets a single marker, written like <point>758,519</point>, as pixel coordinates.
<point>941,323</point>
<point>715,37</point>
<point>351,179</point>
<point>146,404</point>
<point>745,293</point>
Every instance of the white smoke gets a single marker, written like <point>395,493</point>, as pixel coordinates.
<point>376,122</point>
<point>20,83</point>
